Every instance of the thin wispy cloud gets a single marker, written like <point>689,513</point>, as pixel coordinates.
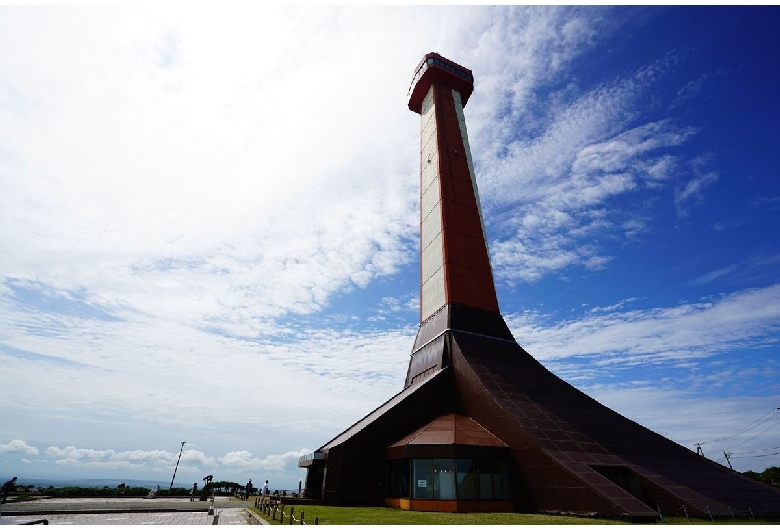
<point>691,193</point>
<point>561,184</point>
<point>657,335</point>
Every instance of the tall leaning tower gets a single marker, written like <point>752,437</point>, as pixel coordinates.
<point>480,425</point>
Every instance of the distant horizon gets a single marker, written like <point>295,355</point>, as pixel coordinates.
<point>99,482</point>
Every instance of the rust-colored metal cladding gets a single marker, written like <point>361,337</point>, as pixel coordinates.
<point>450,429</point>
<point>480,424</point>
<point>455,264</point>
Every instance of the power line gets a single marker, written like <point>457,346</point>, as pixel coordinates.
<point>769,428</point>
<point>755,453</point>
<point>745,453</point>
<point>769,416</point>
<point>755,456</point>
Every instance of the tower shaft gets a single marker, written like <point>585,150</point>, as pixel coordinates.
<point>454,264</point>
<point>456,278</point>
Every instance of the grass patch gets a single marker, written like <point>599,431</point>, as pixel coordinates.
<point>339,515</point>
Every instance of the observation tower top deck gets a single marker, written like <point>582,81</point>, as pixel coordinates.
<point>436,69</point>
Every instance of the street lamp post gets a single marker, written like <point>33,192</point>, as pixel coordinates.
<point>177,467</point>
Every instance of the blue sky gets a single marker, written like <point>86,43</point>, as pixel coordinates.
<point>209,223</point>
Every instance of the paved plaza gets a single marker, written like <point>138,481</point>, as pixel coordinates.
<point>129,511</point>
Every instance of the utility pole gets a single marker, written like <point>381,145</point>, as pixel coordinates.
<point>177,467</point>
<point>727,455</point>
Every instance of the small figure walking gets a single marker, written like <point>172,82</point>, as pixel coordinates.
<point>248,490</point>
<point>9,486</point>
<point>264,489</point>
<point>194,491</point>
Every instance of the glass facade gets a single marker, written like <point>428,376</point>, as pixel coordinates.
<point>397,480</point>
<point>422,479</point>
<point>448,479</point>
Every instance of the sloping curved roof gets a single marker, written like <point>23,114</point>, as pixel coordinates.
<point>378,412</point>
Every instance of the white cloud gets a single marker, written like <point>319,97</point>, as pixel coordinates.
<point>18,446</point>
<point>622,151</point>
<point>74,454</point>
<point>283,461</point>
<point>245,461</point>
<point>154,209</point>
<point>239,459</point>
<point>659,335</point>
<point>691,193</point>
<point>157,461</point>
<point>553,192</point>
<point>154,461</point>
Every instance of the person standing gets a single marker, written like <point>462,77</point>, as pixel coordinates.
<point>264,489</point>
<point>9,486</point>
<point>194,491</point>
<point>248,490</point>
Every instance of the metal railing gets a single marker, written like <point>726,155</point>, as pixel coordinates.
<point>271,507</point>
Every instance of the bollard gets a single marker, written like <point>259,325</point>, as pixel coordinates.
<point>709,512</point>
<point>303,515</point>
<point>659,512</point>
<point>292,517</point>
<point>751,514</point>
<point>686,513</point>
<point>216,519</point>
<point>316,520</point>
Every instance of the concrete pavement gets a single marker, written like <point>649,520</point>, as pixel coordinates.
<point>133,511</point>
